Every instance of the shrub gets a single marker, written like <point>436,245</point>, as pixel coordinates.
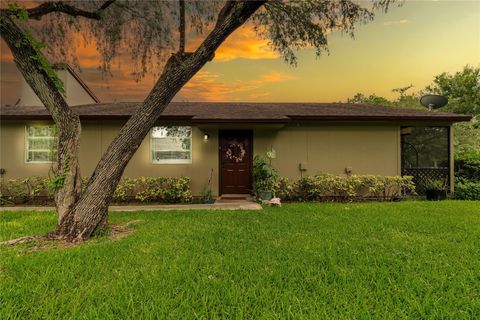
<point>331,187</point>
<point>170,190</point>
<point>284,189</point>
<point>264,175</point>
<point>125,189</point>
<point>467,191</point>
<point>25,190</point>
<point>39,187</point>
<point>389,187</point>
<point>176,190</point>
<point>144,189</point>
<point>467,167</point>
<point>17,190</point>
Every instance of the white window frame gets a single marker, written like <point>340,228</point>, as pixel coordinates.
<point>171,161</point>
<point>27,145</point>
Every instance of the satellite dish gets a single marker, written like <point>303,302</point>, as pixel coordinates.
<point>433,101</point>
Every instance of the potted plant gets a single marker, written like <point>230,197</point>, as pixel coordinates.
<point>207,196</point>
<point>264,178</point>
<point>265,191</point>
<point>436,189</point>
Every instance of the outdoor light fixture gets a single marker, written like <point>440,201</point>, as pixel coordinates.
<point>206,136</point>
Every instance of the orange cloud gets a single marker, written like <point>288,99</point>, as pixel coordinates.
<point>87,53</point>
<point>276,77</point>
<point>244,43</point>
<point>121,85</point>
<point>259,95</point>
<point>206,86</point>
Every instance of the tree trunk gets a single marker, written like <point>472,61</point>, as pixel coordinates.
<point>81,216</point>
<point>40,77</point>
<point>90,213</point>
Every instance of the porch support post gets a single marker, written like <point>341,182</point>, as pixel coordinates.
<point>399,151</point>
<point>451,159</point>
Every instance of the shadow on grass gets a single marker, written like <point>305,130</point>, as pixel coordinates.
<point>38,243</point>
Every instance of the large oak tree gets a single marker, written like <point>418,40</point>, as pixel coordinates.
<point>153,34</point>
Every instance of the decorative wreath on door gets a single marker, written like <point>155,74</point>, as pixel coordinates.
<point>235,151</point>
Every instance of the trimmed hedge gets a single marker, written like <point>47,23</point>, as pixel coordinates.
<point>327,187</point>
<point>143,189</point>
<point>148,189</point>
<point>26,190</point>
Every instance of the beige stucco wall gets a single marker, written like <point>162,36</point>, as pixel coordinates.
<point>75,94</point>
<point>96,136</point>
<point>367,149</point>
<point>12,152</point>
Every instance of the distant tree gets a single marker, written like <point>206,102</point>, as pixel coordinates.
<point>404,100</point>
<point>153,33</point>
<point>463,92</point>
<point>402,91</point>
<point>371,99</point>
<point>466,137</point>
<point>461,88</point>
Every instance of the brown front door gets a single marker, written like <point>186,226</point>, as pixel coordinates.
<point>235,161</point>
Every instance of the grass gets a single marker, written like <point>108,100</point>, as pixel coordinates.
<point>326,261</point>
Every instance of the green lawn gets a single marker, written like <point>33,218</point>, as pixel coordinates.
<point>327,261</point>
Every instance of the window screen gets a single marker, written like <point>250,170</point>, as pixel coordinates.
<point>171,144</point>
<point>40,144</point>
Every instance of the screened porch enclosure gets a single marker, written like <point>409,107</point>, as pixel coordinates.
<point>425,154</point>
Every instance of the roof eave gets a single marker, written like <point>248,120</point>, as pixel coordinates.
<point>458,118</point>
<point>234,121</point>
<point>280,120</point>
<point>87,117</point>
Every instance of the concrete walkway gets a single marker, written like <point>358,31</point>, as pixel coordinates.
<point>233,205</point>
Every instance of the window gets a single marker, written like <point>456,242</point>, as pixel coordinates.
<point>40,144</point>
<point>171,144</point>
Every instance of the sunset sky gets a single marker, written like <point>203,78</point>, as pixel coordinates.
<point>408,45</point>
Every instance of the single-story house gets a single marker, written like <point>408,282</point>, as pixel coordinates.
<point>217,141</point>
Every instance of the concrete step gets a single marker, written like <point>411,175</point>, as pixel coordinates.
<point>235,197</point>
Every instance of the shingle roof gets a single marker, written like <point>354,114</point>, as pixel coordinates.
<point>218,112</point>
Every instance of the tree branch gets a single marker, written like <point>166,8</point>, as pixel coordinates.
<point>94,201</point>
<point>106,5</point>
<point>60,6</point>
<point>181,27</point>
